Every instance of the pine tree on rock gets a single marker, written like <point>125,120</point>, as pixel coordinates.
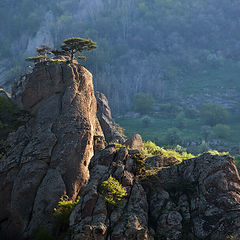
<point>77,45</point>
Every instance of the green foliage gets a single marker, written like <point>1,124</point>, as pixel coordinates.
<point>211,114</point>
<point>170,109</point>
<point>152,149</point>
<point>146,121</point>
<point>181,120</point>
<point>77,45</point>
<point>206,131</point>
<point>173,136</point>
<point>43,234</point>
<point>63,211</point>
<point>139,164</point>
<point>39,58</point>
<point>203,147</point>
<point>215,152</point>
<point>191,112</point>
<point>118,145</point>
<point>113,191</point>
<point>69,47</point>
<point>143,103</point>
<point>222,131</point>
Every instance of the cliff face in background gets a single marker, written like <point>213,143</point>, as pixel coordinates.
<point>186,45</point>
<point>49,156</point>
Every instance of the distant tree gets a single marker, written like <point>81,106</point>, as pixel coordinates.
<point>143,103</point>
<point>212,114</point>
<point>181,120</point>
<point>146,121</point>
<point>77,45</point>
<point>222,131</point>
<point>173,136</point>
<point>206,131</point>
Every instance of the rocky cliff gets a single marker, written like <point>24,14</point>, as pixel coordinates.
<point>55,153</point>
<point>197,199</point>
<point>49,156</point>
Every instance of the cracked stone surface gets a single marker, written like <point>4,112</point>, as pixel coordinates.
<point>93,219</point>
<point>197,199</point>
<point>49,156</point>
<point>52,155</point>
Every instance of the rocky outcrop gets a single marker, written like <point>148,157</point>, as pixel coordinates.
<point>49,156</point>
<point>197,199</point>
<point>93,219</point>
<point>53,154</point>
<point>135,142</point>
<point>112,131</point>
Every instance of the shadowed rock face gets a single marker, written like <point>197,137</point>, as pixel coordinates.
<point>197,199</point>
<point>109,127</point>
<point>49,156</point>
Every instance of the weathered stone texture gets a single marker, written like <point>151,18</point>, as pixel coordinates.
<point>50,155</point>
<point>197,199</point>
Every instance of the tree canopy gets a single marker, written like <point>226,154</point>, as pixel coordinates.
<point>70,47</point>
<point>77,45</point>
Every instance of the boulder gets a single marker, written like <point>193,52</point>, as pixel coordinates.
<point>135,142</point>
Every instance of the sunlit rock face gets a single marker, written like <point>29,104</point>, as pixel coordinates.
<point>49,156</point>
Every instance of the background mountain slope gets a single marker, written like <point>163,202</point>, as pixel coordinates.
<point>171,49</point>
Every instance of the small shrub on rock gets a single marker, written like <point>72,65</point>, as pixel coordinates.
<point>215,152</point>
<point>63,211</point>
<point>179,153</point>
<point>140,165</point>
<point>113,191</point>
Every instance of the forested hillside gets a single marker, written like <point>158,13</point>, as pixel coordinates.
<point>176,50</point>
